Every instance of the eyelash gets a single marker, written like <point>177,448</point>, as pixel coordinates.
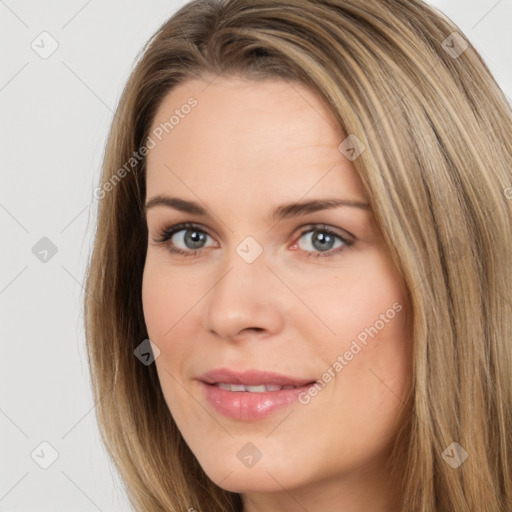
<point>166,234</point>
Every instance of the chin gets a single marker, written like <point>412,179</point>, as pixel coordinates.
<point>248,481</point>
<point>264,476</point>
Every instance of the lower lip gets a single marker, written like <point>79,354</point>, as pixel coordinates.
<point>246,406</point>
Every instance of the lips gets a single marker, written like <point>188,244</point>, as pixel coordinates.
<point>251,395</point>
<point>260,388</point>
<point>252,378</point>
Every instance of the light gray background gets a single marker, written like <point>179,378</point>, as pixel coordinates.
<point>54,117</point>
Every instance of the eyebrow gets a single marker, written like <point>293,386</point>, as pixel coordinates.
<point>284,211</point>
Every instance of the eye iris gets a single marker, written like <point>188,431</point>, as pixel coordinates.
<point>193,238</point>
<point>321,239</point>
<point>325,240</point>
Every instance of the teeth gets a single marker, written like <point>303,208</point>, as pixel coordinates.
<point>261,388</point>
<point>231,387</point>
<point>255,389</point>
<point>272,387</point>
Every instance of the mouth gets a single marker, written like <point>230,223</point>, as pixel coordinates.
<point>253,380</point>
<point>259,388</point>
<point>251,395</point>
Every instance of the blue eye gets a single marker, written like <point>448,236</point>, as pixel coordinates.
<point>193,235</point>
<point>325,242</point>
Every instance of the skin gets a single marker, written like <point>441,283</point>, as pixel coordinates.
<point>246,148</point>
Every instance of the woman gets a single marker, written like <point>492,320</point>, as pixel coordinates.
<point>298,297</point>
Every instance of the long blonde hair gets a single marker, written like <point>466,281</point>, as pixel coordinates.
<point>437,170</point>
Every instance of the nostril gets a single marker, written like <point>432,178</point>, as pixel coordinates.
<point>257,329</point>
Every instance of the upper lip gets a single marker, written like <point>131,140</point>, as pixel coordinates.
<point>251,378</point>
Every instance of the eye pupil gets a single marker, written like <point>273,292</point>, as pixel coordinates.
<point>194,237</point>
<point>324,238</point>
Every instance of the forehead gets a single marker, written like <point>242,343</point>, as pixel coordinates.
<point>267,138</point>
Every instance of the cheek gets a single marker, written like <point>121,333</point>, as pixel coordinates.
<point>154,303</point>
<point>368,360</point>
<point>165,301</point>
<point>170,306</point>
<point>166,298</point>
<point>363,301</point>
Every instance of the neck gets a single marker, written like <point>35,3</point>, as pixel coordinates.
<point>359,491</point>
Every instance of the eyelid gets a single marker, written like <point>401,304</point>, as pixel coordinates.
<point>303,229</point>
<point>320,226</point>
<point>168,231</point>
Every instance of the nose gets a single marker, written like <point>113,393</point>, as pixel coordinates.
<point>247,300</point>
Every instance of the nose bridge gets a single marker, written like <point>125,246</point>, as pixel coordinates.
<point>250,250</point>
<point>242,297</point>
<point>247,274</point>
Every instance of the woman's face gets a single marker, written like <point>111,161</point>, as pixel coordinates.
<point>258,288</point>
